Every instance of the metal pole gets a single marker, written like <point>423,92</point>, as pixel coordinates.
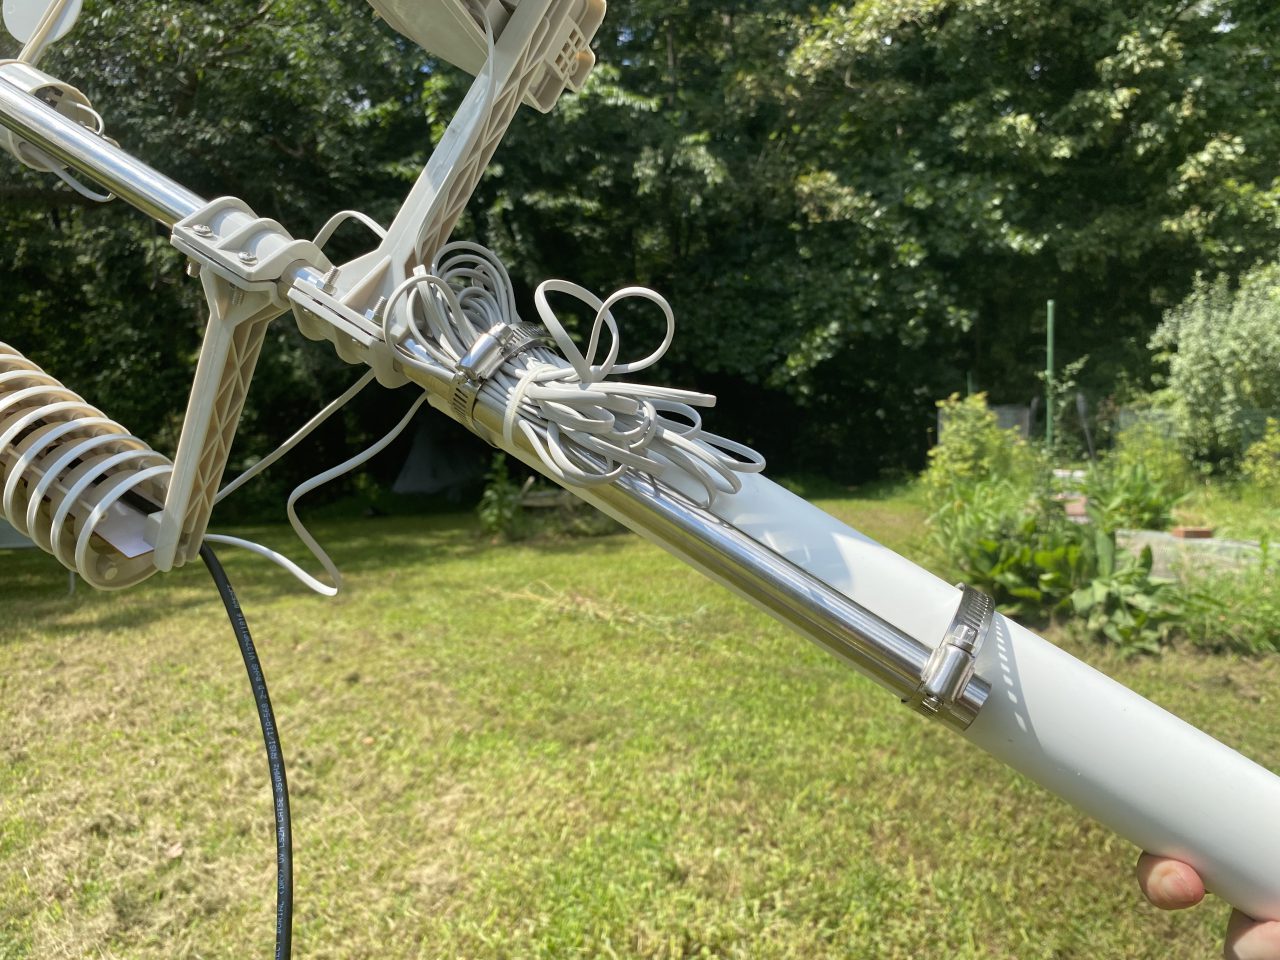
<point>1048,384</point>
<point>736,560</point>
<point>693,533</point>
<point>65,140</point>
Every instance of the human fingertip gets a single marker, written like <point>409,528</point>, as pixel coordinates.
<point>1169,884</point>
<point>1248,939</point>
<point>1179,890</point>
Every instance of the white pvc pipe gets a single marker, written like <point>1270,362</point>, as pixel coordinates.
<point>1131,765</point>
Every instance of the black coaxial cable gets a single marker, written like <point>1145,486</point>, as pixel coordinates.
<point>275,756</point>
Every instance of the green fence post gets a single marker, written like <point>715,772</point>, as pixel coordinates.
<point>1048,385</point>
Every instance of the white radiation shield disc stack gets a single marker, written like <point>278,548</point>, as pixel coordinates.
<point>22,18</point>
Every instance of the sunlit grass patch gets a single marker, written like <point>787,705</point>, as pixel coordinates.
<point>559,749</point>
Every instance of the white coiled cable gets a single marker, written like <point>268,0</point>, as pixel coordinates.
<point>65,468</point>
<point>586,429</point>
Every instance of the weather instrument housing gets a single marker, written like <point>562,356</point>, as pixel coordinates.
<point>420,308</point>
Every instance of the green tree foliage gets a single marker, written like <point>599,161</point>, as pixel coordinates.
<point>961,162</point>
<point>853,205</point>
<point>1223,348</point>
<point>849,206</point>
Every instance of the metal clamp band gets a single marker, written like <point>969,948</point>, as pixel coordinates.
<point>490,351</point>
<point>951,666</point>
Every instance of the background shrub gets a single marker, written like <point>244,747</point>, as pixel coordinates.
<point>1223,348</point>
<point>1016,546</point>
<point>1236,610</point>
<point>1123,604</point>
<point>973,449</point>
<point>514,508</point>
<point>499,509</point>
<point>998,524</point>
<point>1137,484</point>
<point>993,519</point>
<point>1261,465</point>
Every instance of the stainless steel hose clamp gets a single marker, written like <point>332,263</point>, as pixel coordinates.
<point>486,356</point>
<point>951,666</point>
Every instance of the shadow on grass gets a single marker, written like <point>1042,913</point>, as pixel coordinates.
<point>33,585</point>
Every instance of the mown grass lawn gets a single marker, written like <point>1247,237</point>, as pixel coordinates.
<point>574,749</point>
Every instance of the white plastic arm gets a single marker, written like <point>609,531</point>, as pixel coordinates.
<point>533,50</point>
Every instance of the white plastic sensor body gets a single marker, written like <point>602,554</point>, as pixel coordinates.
<point>454,31</point>
<point>37,24</point>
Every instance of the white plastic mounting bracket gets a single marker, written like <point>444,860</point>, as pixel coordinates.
<point>541,47</point>
<point>243,261</point>
<point>63,97</point>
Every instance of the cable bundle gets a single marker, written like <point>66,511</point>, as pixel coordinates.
<point>586,429</point>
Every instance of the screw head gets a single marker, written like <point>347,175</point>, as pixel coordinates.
<point>202,230</point>
<point>247,258</point>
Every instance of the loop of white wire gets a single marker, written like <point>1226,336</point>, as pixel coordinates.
<point>309,541</point>
<point>586,429</point>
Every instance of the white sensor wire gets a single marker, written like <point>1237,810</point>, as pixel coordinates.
<point>303,432</point>
<point>303,534</point>
<point>585,428</point>
<point>37,159</point>
<point>299,528</point>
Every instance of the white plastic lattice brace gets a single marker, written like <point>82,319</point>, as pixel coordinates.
<point>243,262</point>
<point>540,48</point>
<point>454,30</point>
